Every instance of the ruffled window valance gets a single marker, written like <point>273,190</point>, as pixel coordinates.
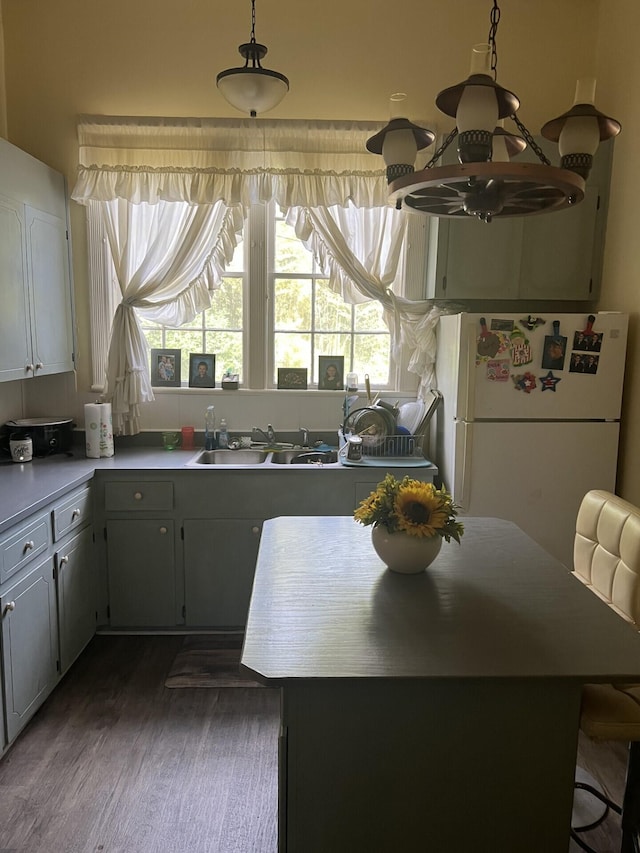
<point>237,161</point>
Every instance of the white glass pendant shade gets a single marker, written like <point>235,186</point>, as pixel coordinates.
<point>252,90</point>
<point>478,106</point>
<point>581,134</point>
<point>399,146</point>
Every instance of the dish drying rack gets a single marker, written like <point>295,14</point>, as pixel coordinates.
<point>380,443</point>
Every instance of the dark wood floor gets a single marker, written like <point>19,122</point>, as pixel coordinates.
<point>117,763</point>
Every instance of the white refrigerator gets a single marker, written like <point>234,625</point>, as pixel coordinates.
<point>530,416</point>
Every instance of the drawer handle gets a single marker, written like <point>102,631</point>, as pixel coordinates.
<point>28,367</point>
<point>64,560</point>
<point>11,605</point>
<point>138,496</point>
<point>76,514</point>
<point>39,365</point>
<point>28,546</point>
<point>163,530</point>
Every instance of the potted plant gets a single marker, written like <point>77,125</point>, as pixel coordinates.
<point>410,519</point>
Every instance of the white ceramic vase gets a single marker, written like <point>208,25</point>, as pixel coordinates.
<point>403,553</point>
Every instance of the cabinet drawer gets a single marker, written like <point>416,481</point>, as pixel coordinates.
<point>141,496</point>
<point>71,513</point>
<point>20,548</point>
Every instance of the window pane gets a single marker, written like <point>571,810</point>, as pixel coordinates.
<point>292,309</point>
<point>371,355</point>
<point>292,350</point>
<point>368,317</point>
<point>154,339</point>
<point>290,255</point>
<point>332,313</point>
<point>227,347</point>
<point>226,306</point>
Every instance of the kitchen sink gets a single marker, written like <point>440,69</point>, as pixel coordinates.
<point>229,457</point>
<point>304,457</point>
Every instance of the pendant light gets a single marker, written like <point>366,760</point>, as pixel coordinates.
<point>485,183</point>
<point>252,89</point>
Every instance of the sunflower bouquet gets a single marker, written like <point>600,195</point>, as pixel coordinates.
<point>412,506</point>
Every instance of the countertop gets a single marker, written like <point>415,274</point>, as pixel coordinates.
<point>27,487</point>
<point>495,606</point>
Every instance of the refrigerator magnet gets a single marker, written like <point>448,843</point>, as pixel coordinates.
<point>587,340</point>
<point>532,323</point>
<point>555,349</point>
<point>498,370</point>
<point>490,344</point>
<point>549,382</point>
<point>524,382</point>
<point>520,348</point>
<point>583,363</point>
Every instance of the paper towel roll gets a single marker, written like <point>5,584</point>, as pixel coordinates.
<point>92,418</point>
<point>106,430</point>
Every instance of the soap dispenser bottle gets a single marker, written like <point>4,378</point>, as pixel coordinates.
<point>210,428</point>
<point>223,435</point>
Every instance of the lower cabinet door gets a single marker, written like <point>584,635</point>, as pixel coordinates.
<point>76,584</point>
<point>142,575</point>
<point>220,561</point>
<point>29,645</point>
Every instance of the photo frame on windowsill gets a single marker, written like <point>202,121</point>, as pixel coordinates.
<point>292,378</point>
<point>165,368</point>
<point>330,372</point>
<point>202,370</point>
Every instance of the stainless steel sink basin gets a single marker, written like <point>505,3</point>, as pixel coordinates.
<point>229,457</point>
<point>304,457</point>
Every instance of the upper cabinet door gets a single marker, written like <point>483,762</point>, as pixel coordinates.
<point>51,317</point>
<point>15,341</point>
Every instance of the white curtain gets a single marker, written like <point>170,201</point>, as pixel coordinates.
<point>320,170</point>
<point>360,250</point>
<point>168,257</point>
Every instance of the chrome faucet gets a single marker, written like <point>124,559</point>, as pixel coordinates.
<point>269,435</point>
<point>304,441</point>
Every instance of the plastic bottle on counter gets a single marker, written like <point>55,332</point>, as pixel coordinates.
<point>223,435</point>
<point>210,428</point>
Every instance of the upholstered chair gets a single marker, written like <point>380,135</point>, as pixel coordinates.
<point>607,561</point>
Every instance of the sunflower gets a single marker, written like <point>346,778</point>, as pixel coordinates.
<point>420,510</point>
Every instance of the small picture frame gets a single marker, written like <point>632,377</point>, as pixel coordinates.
<point>330,373</point>
<point>202,370</point>
<point>292,378</point>
<point>165,368</point>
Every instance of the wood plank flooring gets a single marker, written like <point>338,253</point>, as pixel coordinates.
<point>116,763</point>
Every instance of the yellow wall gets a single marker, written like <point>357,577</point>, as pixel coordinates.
<point>343,58</point>
<point>618,78</point>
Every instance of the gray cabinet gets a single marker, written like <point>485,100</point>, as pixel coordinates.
<point>36,325</point>
<point>47,587</point>
<point>76,589</point>
<point>219,562</point>
<point>29,643</point>
<point>142,574</point>
<point>141,553</point>
<point>552,256</point>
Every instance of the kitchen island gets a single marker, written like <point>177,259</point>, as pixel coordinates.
<point>436,711</point>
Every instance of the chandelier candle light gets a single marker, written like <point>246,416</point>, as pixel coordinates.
<point>252,89</point>
<point>410,519</point>
<point>485,183</point>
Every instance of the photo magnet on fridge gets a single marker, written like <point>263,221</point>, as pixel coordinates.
<point>555,349</point>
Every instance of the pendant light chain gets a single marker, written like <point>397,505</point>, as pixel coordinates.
<point>493,31</point>
<point>253,21</point>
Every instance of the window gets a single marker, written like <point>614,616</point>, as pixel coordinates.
<point>306,320</point>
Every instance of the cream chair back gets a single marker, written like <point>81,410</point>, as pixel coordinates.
<point>606,554</point>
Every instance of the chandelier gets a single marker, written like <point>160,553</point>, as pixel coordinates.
<point>485,183</point>
<point>252,89</point>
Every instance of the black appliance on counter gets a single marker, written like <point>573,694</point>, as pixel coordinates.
<point>48,435</point>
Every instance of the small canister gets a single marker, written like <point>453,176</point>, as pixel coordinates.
<point>354,448</point>
<point>21,447</point>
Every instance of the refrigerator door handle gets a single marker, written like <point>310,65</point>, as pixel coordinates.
<point>463,453</point>
<point>467,379</point>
